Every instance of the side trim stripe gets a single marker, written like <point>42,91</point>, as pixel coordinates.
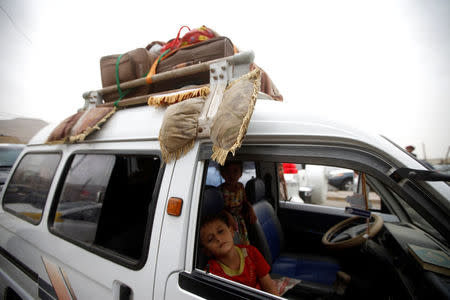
<point>59,280</point>
<point>46,291</point>
<point>67,282</point>
<point>30,273</point>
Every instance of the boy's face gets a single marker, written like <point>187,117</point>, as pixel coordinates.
<point>232,173</point>
<point>217,238</point>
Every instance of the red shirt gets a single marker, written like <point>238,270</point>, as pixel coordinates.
<point>253,266</point>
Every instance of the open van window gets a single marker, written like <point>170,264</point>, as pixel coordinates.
<point>291,223</point>
<point>323,185</point>
<point>214,178</point>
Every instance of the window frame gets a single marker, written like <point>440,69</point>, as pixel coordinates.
<point>243,171</point>
<point>200,282</point>
<point>17,164</point>
<point>351,156</point>
<point>210,286</point>
<point>395,213</point>
<point>205,284</point>
<point>97,249</point>
<point>368,183</point>
<point>346,156</point>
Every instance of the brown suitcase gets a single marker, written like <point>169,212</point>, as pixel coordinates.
<point>211,49</point>
<point>133,65</point>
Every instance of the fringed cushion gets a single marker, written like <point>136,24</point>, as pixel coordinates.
<point>178,96</point>
<point>229,126</point>
<point>61,133</point>
<point>179,128</point>
<point>78,126</point>
<point>267,85</point>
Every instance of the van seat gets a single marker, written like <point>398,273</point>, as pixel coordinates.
<point>212,204</point>
<point>267,236</point>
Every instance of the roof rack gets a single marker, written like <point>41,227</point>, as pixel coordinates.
<point>221,71</point>
<point>218,74</point>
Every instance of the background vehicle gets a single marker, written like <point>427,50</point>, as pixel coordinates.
<point>8,155</point>
<point>444,168</point>
<point>341,179</point>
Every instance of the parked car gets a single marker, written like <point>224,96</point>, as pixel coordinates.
<point>8,155</point>
<point>443,169</point>
<point>291,186</point>
<point>342,179</point>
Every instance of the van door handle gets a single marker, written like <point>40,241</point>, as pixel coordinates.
<point>121,291</point>
<point>125,292</point>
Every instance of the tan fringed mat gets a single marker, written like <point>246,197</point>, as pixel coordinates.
<point>267,85</point>
<point>78,126</point>
<point>179,128</point>
<point>61,133</point>
<point>230,124</point>
<point>178,96</point>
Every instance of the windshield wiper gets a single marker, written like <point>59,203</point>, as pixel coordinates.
<point>425,175</point>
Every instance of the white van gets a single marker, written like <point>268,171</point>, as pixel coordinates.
<point>91,220</point>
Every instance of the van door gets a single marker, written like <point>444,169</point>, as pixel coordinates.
<point>21,216</point>
<point>181,264</point>
<point>103,215</point>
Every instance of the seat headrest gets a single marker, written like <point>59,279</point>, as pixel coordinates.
<point>255,190</point>
<point>212,201</point>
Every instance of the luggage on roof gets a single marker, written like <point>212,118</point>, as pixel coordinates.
<point>216,84</point>
<point>128,66</point>
<point>195,47</point>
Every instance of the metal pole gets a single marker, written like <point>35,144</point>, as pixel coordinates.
<point>446,156</point>
<point>366,201</point>
<point>424,153</point>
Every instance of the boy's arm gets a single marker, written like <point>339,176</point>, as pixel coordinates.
<point>268,285</point>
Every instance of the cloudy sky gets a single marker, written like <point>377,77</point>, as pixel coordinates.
<point>382,65</point>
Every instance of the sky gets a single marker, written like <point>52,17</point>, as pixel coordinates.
<point>381,65</point>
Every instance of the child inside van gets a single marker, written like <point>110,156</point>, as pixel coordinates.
<point>240,263</point>
<point>236,203</point>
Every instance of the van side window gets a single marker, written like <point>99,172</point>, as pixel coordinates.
<point>214,178</point>
<point>104,202</point>
<point>28,188</point>
<point>322,185</point>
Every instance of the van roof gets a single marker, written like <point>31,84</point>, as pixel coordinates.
<point>271,120</point>
<point>144,122</point>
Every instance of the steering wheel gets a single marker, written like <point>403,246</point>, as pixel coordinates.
<point>346,235</point>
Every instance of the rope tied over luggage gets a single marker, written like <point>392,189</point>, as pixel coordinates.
<point>190,38</point>
<point>122,94</point>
